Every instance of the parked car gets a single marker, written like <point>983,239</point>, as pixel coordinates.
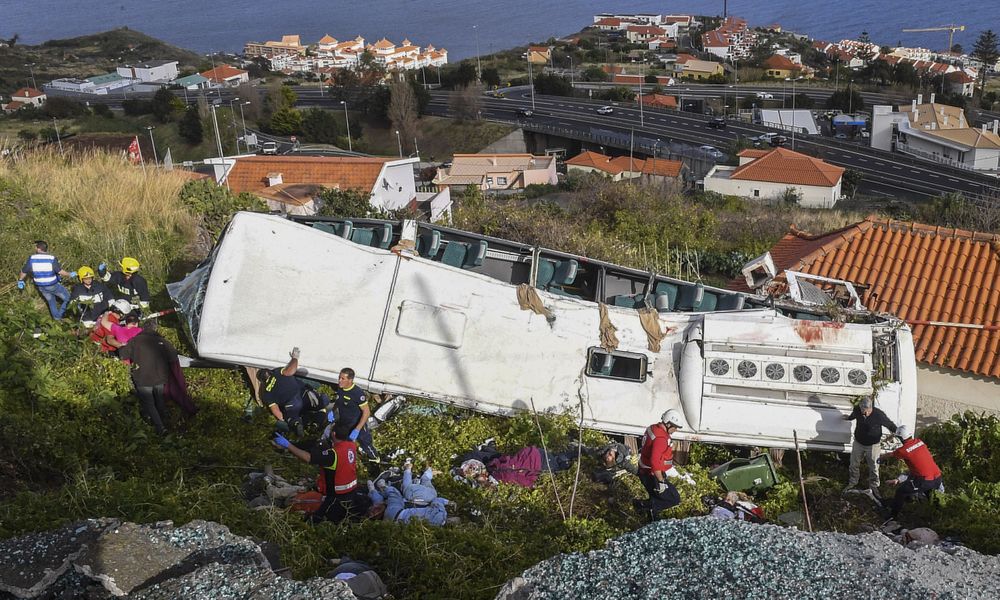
<point>765,95</point>
<point>841,136</point>
<point>524,112</point>
<point>605,110</point>
<point>269,148</point>
<point>713,152</point>
<point>717,123</point>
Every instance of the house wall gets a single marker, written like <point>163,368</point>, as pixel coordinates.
<point>541,176</point>
<point>944,392</point>
<point>983,159</point>
<point>882,120</point>
<point>720,51</point>
<point>307,209</point>
<point>812,196</point>
<point>395,186</point>
<point>579,169</point>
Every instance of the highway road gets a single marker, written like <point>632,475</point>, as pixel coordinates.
<point>884,173</point>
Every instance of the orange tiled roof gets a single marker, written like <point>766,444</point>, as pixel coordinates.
<point>753,153</point>
<point>384,43</point>
<point>782,165</point>
<point>249,174</point>
<point>781,63</point>
<point>27,92</point>
<point>594,160</point>
<point>222,72</point>
<point>919,273</point>
<point>624,163</point>
<point>15,105</point>
<point>327,39</point>
<point>658,100</point>
<point>662,167</point>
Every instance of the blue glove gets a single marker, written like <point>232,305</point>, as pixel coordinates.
<point>354,434</point>
<point>20,284</point>
<point>329,416</point>
<point>281,440</point>
<point>72,274</point>
<point>102,269</point>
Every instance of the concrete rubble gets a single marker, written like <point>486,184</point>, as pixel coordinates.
<point>108,558</point>
<point>710,558</point>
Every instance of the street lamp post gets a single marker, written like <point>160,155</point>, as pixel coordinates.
<point>531,83</point>
<point>642,76</point>
<point>793,115</point>
<point>243,119</point>
<point>156,159</point>
<point>232,113</point>
<point>215,122</point>
<point>31,69</point>
<point>58,139</point>
<point>479,64</point>
<point>400,142</point>
<point>347,120</point>
<point>570,71</point>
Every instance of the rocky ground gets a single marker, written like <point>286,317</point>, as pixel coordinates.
<point>105,558</point>
<point>711,558</point>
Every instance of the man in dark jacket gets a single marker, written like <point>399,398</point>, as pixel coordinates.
<point>612,462</point>
<point>867,436</point>
<point>151,358</point>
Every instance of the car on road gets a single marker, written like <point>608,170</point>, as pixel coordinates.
<point>841,136</point>
<point>524,112</point>
<point>717,123</point>
<point>269,148</point>
<point>778,140</point>
<point>765,96</point>
<point>713,152</point>
<point>764,138</point>
<point>605,110</point>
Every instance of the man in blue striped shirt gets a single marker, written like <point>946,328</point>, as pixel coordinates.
<point>45,271</point>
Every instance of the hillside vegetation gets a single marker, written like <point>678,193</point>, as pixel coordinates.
<point>72,444</point>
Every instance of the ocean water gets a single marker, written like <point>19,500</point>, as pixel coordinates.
<point>224,25</point>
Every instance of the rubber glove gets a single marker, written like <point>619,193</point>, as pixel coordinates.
<point>294,353</point>
<point>329,416</point>
<point>661,487</point>
<point>281,426</point>
<point>20,284</point>
<point>102,269</point>
<point>354,434</point>
<point>281,440</point>
<point>72,274</point>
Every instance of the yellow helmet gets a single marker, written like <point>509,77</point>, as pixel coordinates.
<point>84,272</point>
<point>129,265</point>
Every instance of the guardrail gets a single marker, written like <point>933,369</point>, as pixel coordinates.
<point>907,149</point>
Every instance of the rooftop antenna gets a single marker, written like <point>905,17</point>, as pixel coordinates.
<point>725,8</point>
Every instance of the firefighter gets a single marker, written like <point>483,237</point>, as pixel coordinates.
<point>350,407</point>
<point>337,458</point>
<point>288,398</point>
<point>127,284</point>
<point>92,297</point>
<point>656,465</point>
<point>45,271</point>
<point>923,477</point>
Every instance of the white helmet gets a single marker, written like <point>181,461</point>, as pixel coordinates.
<point>122,306</point>
<point>903,432</point>
<point>672,417</point>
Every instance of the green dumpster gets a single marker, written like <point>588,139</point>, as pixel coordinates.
<point>746,474</point>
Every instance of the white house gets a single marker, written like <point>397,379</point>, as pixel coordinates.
<point>496,172</point>
<point>771,173</point>
<point>25,97</point>
<point>151,71</point>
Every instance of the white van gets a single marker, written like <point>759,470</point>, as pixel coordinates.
<point>269,148</point>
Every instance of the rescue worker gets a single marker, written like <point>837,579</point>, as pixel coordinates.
<point>93,297</point>
<point>613,461</point>
<point>150,357</point>
<point>127,284</point>
<point>867,437</point>
<point>924,475</point>
<point>350,407</point>
<point>45,271</point>
<point>285,396</point>
<point>656,465</point>
<point>338,460</point>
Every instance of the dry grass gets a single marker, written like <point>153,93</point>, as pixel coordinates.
<point>94,207</point>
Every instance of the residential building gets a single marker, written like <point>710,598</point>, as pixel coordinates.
<point>641,34</point>
<point>781,67</point>
<point>621,168</point>
<point>497,172</point>
<point>937,132</point>
<point>289,45</point>
<point>154,71</point>
<point>658,101</point>
<point>959,82</point>
<point>193,82</point>
<point>692,68</point>
<point>98,84</point>
<point>610,24</point>
<point>539,55</point>
<point>226,76</point>
<point>941,281</point>
<point>283,181</point>
<point>71,84</point>
<point>26,96</point>
<point>732,40</point>
<point>769,174</point>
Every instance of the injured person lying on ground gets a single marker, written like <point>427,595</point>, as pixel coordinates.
<point>486,467</point>
<point>407,500</point>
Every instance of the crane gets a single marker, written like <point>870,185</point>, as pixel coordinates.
<point>951,29</point>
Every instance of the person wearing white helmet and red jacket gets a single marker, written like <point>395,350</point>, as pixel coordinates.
<point>924,475</point>
<point>127,284</point>
<point>656,464</point>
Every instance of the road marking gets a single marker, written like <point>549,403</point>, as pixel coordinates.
<point>931,175</point>
<point>955,180</point>
<point>915,171</point>
<point>862,160</point>
<point>897,167</point>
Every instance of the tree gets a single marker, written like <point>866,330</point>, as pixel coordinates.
<point>346,204</point>
<point>27,135</point>
<point>801,100</point>
<point>957,49</point>
<point>58,107</point>
<point>422,95</point>
<point>190,128</point>
<point>403,109</point>
<point>491,77</point>
<point>319,126</point>
<point>286,121</point>
<point>162,105</point>
<point>848,100</point>
<point>619,94</point>
<point>594,73</point>
<point>101,110</point>
<point>467,102</point>
<point>985,50</point>
<point>851,180</point>
<point>866,52</point>
<point>553,85</point>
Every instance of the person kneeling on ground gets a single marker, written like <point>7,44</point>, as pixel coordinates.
<point>924,475</point>
<point>289,399</point>
<point>656,465</point>
<point>338,459</point>
<point>416,495</point>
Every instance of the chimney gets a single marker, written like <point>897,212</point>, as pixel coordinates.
<point>913,108</point>
<point>920,98</point>
<point>944,119</point>
<point>932,97</point>
<point>273,179</point>
<point>996,125</point>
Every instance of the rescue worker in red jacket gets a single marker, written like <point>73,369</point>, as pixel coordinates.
<point>656,464</point>
<point>924,475</point>
<point>338,459</point>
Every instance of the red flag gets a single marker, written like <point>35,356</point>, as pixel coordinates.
<point>134,153</point>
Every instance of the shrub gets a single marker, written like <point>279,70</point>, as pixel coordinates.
<point>215,204</point>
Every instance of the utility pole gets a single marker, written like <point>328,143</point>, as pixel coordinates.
<point>156,159</point>
<point>58,139</point>
<point>215,122</point>
<point>347,120</point>
<point>531,84</point>
<point>232,113</point>
<point>31,69</point>
<point>642,77</point>
<point>479,64</point>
